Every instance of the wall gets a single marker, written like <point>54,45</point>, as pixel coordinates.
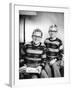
<point>42,21</point>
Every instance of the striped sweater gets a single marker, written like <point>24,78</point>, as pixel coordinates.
<point>54,48</point>
<point>34,55</point>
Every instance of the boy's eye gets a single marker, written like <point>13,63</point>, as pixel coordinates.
<point>52,31</point>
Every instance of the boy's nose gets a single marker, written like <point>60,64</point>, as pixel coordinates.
<point>35,39</point>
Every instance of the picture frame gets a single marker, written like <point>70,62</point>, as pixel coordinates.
<point>14,11</point>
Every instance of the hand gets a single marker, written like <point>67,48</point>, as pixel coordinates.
<point>52,61</point>
<point>42,64</point>
<point>39,67</point>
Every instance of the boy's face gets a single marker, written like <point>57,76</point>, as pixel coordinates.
<point>36,37</point>
<point>52,32</point>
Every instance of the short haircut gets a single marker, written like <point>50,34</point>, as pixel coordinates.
<point>53,26</point>
<point>37,30</point>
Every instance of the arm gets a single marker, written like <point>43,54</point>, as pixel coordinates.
<point>22,54</point>
<point>61,50</point>
<point>43,57</point>
<point>61,54</point>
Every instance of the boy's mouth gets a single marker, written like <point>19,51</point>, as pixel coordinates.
<point>36,42</point>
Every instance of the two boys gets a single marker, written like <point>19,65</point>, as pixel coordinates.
<point>35,54</point>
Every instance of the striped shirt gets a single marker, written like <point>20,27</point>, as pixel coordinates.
<point>54,48</point>
<point>34,55</point>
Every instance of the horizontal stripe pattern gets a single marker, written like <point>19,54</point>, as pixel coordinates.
<point>55,42</point>
<point>49,53</point>
<point>33,59</point>
<point>53,50</point>
<point>50,45</point>
<point>53,47</point>
<point>34,51</point>
<point>34,54</point>
<point>33,64</point>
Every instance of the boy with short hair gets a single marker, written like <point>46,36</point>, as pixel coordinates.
<point>54,51</point>
<point>34,53</point>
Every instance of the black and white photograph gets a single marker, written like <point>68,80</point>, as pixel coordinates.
<point>41,44</point>
<point>36,44</point>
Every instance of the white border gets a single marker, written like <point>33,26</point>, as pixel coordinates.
<point>14,64</point>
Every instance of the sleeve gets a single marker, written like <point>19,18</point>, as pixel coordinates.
<point>22,51</point>
<point>46,43</point>
<point>43,57</point>
<point>44,53</point>
<point>21,54</point>
<point>61,50</point>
